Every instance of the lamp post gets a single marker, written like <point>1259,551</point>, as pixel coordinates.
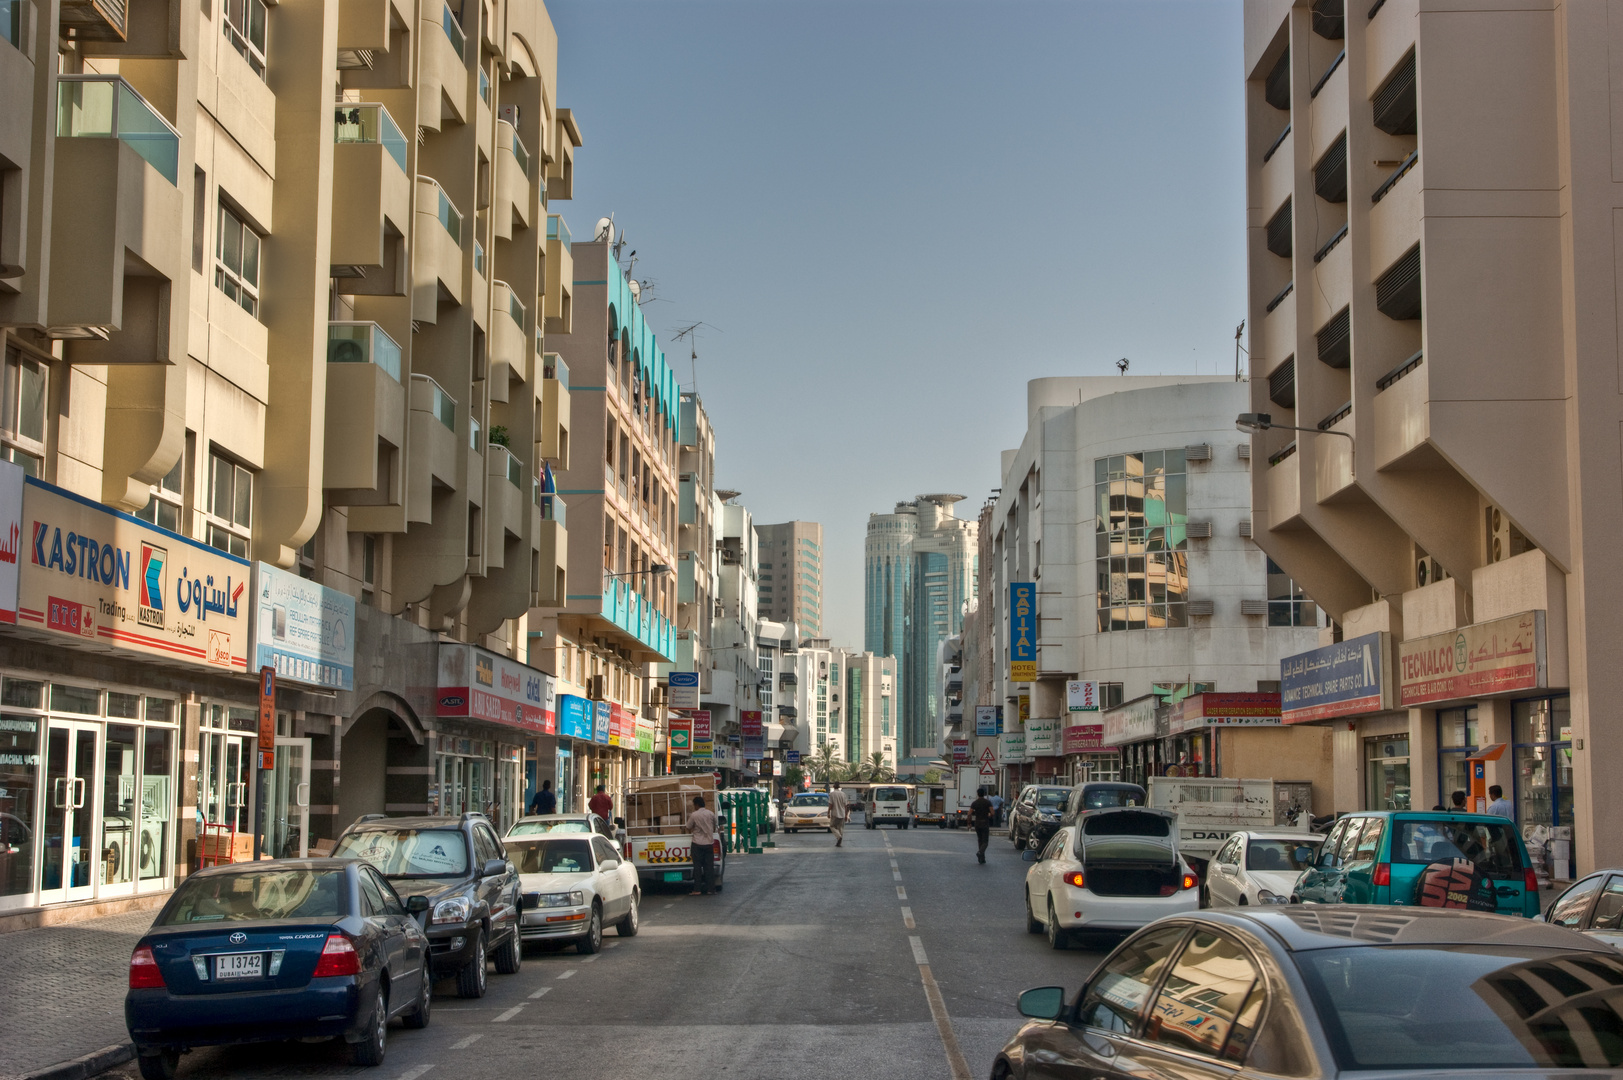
<point>1253,422</point>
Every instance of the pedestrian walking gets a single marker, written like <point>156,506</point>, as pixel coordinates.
<point>997,809</point>
<point>600,804</point>
<point>980,811</point>
<point>545,802</point>
<point>701,846</point>
<point>1498,804</point>
<point>839,809</point>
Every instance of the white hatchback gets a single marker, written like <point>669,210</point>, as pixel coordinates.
<point>1258,868</point>
<point>1115,869</point>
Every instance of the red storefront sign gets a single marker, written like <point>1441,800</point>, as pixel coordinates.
<point>1082,738</point>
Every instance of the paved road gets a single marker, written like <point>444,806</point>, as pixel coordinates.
<point>814,960</point>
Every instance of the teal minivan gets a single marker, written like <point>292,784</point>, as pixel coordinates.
<point>1378,857</point>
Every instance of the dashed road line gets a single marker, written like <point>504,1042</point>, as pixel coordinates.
<point>413,1074</point>
<point>540,993</point>
<point>612,945</point>
<point>463,1044</point>
<point>893,864</point>
<point>938,1010</point>
<point>907,918</point>
<point>510,1013</point>
<point>896,874</point>
<point>901,893</point>
<point>567,974</point>
<point>590,959</point>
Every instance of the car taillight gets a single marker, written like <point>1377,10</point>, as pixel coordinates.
<point>1076,880</point>
<point>338,957</point>
<point>1383,873</point>
<point>1190,881</point>
<point>144,973</point>
<point>1530,880</point>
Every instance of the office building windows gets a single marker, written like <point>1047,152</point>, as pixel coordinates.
<point>1141,542</point>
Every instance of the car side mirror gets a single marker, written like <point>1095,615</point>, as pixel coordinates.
<point>416,905</point>
<point>494,868</point>
<point>1028,855</point>
<point>1303,855</point>
<point>1043,1003</point>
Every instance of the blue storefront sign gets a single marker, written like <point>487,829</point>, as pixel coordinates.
<point>792,757</point>
<point>575,717</point>
<point>1022,631</point>
<point>305,631</point>
<point>600,730</point>
<point>1345,679</point>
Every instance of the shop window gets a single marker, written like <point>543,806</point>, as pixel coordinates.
<point>84,700</point>
<point>22,424</point>
<point>1141,540</point>
<point>230,505</point>
<point>19,786</point>
<point>236,260</point>
<point>1288,605</point>
<point>163,509</point>
<point>1386,775</point>
<point>1543,797</point>
<point>1456,739</point>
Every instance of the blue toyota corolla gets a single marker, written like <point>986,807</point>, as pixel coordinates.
<point>289,949</point>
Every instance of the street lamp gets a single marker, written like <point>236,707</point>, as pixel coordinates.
<point>657,568</point>
<point>1253,422</point>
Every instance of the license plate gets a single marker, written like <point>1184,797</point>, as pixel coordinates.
<point>673,875</point>
<point>242,965</point>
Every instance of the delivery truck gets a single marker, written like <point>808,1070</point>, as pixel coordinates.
<point>657,838</point>
<point>1210,809</point>
<point>965,791</point>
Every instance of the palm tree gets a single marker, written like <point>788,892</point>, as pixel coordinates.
<point>823,763</point>
<point>877,769</point>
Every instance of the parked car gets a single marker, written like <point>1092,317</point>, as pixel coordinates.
<point>1221,995</point>
<point>1592,905</point>
<point>541,824</point>
<point>1258,868</point>
<point>460,866</point>
<point>573,886</point>
<point>1034,816</point>
<point>290,949</point>
<point>1113,870</point>
<point>807,810</point>
<point>1101,795</point>
<point>1432,859</point>
<point>890,804</point>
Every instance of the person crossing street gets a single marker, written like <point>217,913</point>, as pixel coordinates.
<point>980,812</point>
<point>839,810</point>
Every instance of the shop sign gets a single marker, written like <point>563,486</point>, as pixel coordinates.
<point>749,722</point>
<point>1081,738</point>
<point>702,744</point>
<point>791,757</point>
<point>110,579</point>
<point>960,751</point>
<point>1042,736</point>
<point>1025,710</point>
<point>575,717</point>
<point>645,736</point>
<point>1473,661</point>
<point>303,630</point>
<point>1022,632</point>
<point>481,685</point>
<point>1211,709</point>
<point>680,735</point>
<point>1129,722</point>
<point>684,690</point>
<point>622,727</point>
<point>754,747</point>
<point>752,739</point>
<point>1011,748</point>
<point>602,722</point>
<point>1082,695</point>
<point>1344,679</point>
<point>12,478</point>
<point>986,720</point>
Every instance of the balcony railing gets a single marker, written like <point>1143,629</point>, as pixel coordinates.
<point>479,258</point>
<point>1285,452</point>
<point>369,122</point>
<point>443,404</point>
<point>519,152</point>
<point>558,230</point>
<point>515,306</point>
<point>1397,174</point>
<point>1280,299</point>
<point>484,86</point>
<point>514,471</point>
<point>1400,371</point>
<point>553,367</point>
<point>1336,417</point>
<point>107,107</point>
<point>1329,71</point>
<point>453,30</point>
<point>448,214</point>
<point>552,505</point>
<point>473,434</point>
<point>363,343</point>
<point>1274,146</point>
<point>1341,234</point>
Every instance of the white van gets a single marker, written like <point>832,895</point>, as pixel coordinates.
<point>892,803</point>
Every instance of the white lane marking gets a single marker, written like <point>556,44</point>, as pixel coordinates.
<point>669,905</point>
<point>896,874</point>
<point>590,959</point>
<point>907,918</point>
<point>918,951</point>
<point>413,1074</point>
<point>943,1022</point>
<point>611,945</point>
<point>567,974</point>
<point>893,864</point>
<point>540,993</point>
<point>463,1044</point>
<point>901,893</point>
<point>510,1013</point>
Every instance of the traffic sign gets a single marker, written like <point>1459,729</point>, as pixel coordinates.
<point>987,756</point>
<point>987,770</point>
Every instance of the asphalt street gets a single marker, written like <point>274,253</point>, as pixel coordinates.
<point>897,955</point>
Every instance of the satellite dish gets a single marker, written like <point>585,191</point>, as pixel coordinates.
<point>605,229</point>
<point>636,289</point>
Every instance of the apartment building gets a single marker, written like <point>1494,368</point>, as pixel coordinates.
<point>1120,555</point>
<point>275,284</point>
<point>735,684</point>
<point>696,557</point>
<point>792,574</point>
<point>1431,200</point>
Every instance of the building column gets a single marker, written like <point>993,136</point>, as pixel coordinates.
<point>1423,793</point>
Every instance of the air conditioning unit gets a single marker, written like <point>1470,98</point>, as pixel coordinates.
<point>1199,530</point>
<point>1499,530</point>
<point>1245,526</point>
<point>597,687</point>
<point>1428,570</point>
<point>1253,607</point>
<point>1199,452</point>
<point>1202,607</point>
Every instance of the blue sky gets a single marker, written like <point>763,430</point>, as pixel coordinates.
<point>894,213</point>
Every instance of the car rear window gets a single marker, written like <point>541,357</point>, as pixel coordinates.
<point>1464,1007</point>
<point>809,800</point>
<point>257,895</point>
<point>1279,855</point>
<point>1101,798</point>
<point>890,794</point>
<point>1491,846</point>
<point>1127,824</point>
<point>408,852</point>
<point>551,856</point>
<point>538,828</point>
<point>1052,797</point>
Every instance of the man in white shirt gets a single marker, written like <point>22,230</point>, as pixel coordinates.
<point>839,809</point>
<point>702,831</point>
<point>1498,804</point>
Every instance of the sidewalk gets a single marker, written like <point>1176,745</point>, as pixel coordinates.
<point>64,990</point>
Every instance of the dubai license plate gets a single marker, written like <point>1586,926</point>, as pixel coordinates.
<point>242,965</point>
<point>673,875</point>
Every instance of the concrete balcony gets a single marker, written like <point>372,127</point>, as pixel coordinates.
<point>366,414</point>
<point>1333,458</point>
<point>505,504</point>
<point>371,201</point>
<point>509,357</point>
<point>127,29</point>
<point>364,26</point>
<point>511,210</point>
<point>115,250</point>
<point>438,274</point>
<point>1394,222</point>
<point>1285,490</point>
<point>1333,281</point>
<point>560,280</point>
<point>434,451</point>
<point>551,543</point>
<point>474,481</point>
<point>561,169</point>
<point>1278,174</point>
<point>555,411</point>
<point>442,74</point>
<point>1402,413</point>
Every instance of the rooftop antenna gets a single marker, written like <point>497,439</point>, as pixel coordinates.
<point>1122,365</point>
<point>1238,349</point>
<point>605,229</point>
<point>691,331</point>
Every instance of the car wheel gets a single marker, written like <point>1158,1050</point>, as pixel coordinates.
<point>369,1051</point>
<point>1032,925</point>
<point>511,957</point>
<point>418,1016</point>
<point>470,980</point>
<point>1205,897</point>
<point>160,1065</point>
<point>628,926</point>
<point>593,941</point>
<point>1057,938</point>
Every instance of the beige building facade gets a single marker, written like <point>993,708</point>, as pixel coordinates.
<point>1434,274</point>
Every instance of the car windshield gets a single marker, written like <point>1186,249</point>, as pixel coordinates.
<point>809,800</point>
<point>258,895</point>
<point>890,794</point>
<point>1491,846</point>
<point>1052,797</point>
<point>408,852</point>
<point>1103,798</point>
<point>1279,855</point>
<point>552,856</point>
<point>1464,1007</point>
<point>535,828</point>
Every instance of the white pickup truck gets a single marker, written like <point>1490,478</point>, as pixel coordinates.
<point>657,841</point>
<point>1211,809</point>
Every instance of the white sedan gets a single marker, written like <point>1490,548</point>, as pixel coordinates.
<point>1114,869</point>
<point>808,810</point>
<point>1258,868</point>
<point>573,886</point>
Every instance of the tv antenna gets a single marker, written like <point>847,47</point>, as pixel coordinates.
<point>1122,365</point>
<point>692,331</point>
<point>1238,349</point>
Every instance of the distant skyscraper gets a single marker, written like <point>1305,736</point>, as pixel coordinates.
<point>792,574</point>
<point>920,568</point>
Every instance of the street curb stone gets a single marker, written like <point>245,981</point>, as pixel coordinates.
<point>82,1067</point>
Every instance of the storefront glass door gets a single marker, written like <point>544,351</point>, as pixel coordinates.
<point>289,820</point>
<point>67,855</point>
<point>1543,794</point>
<point>1386,773</point>
<point>19,790</point>
<point>225,796</point>
<point>120,784</point>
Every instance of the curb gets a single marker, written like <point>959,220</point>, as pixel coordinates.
<point>82,1067</point>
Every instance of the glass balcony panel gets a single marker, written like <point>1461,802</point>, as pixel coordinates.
<point>11,21</point>
<point>558,230</point>
<point>450,217</point>
<point>515,471</point>
<point>553,367</point>
<point>484,86</point>
<point>105,106</point>
<point>370,122</point>
<point>473,433</point>
<point>453,31</point>
<point>363,343</point>
<point>479,258</point>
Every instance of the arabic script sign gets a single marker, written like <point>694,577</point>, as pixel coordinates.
<point>112,580</point>
<point>1129,722</point>
<point>1239,709</point>
<point>303,630</point>
<point>1343,679</point>
<point>1473,661</point>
